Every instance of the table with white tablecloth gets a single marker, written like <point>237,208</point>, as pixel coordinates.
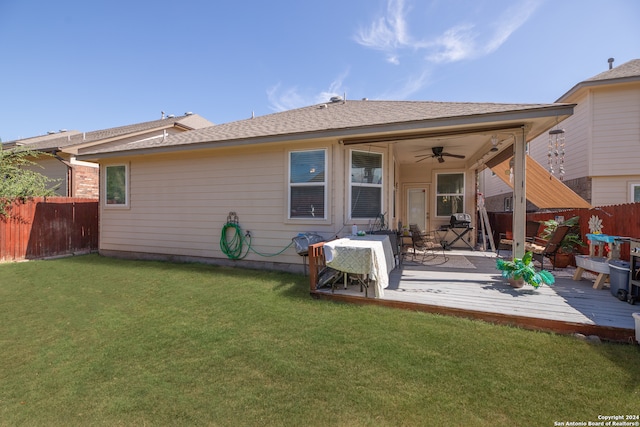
<point>369,255</point>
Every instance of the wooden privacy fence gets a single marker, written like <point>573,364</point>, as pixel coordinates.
<point>617,220</point>
<point>48,226</point>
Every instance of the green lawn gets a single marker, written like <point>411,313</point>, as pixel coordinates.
<point>97,341</point>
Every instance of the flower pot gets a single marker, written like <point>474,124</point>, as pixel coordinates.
<point>516,283</point>
<point>562,260</point>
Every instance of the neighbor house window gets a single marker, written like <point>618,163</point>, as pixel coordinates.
<point>508,203</point>
<point>116,193</point>
<point>366,184</point>
<point>449,193</point>
<point>635,193</point>
<point>307,184</point>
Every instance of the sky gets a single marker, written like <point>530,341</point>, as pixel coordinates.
<point>91,65</point>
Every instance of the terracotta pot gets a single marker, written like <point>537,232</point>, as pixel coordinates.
<point>516,283</point>
<point>562,260</point>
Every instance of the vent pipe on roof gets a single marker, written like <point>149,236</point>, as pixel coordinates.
<point>610,61</point>
<point>162,117</point>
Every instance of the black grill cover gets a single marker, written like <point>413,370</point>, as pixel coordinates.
<point>460,220</point>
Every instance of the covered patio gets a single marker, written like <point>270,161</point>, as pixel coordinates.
<point>466,283</point>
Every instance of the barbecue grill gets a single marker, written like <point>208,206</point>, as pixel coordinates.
<point>302,242</point>
<point>460,220</point>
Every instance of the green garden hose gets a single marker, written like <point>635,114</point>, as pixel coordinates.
<point>231,242</point>
<point>232,247</point>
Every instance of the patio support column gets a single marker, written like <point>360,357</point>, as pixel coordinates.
<point>519,193</point>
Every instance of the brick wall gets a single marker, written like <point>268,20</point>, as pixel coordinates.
<point>85,182</point>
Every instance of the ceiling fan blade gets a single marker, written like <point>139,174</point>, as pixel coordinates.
<point>424,158</point>
<point>457,156</point>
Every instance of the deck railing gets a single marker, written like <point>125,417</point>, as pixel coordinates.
<point>316,263</point>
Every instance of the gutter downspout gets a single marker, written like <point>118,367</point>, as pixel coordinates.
<point>69,189</point>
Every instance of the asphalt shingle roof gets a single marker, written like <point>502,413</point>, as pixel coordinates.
<point>66,139</point>
<point>627,72</point>
<point>628,69</point>
<point>332,116</point>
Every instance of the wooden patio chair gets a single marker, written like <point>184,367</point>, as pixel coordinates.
<point>506,244</point>
<point>426,242</point>
<point>542,249</point>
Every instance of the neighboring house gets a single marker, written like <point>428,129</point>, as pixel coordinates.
<point>80,179</point>
<point>320,169</point>
<point>602,142</point>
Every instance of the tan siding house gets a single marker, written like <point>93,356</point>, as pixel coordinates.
<point>602,159</point>
<point>319,169</point>
<point>75,178</point>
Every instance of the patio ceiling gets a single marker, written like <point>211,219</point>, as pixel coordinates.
<point>467,136</point>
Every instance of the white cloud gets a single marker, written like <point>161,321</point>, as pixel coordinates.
<point>286,99</point>
<point>289,98</point>
<point>455,44</point>
<point>508,22</point>
<point>387,33</point>
<point>461,41</point>
<point>410,86</point>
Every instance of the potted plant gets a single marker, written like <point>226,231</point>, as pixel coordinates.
<point>569,244</point>
<point>521,270</point>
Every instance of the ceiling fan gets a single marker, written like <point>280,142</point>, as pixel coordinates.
<point>438,154</point>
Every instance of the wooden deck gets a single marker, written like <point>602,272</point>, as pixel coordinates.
<point>469,285</point>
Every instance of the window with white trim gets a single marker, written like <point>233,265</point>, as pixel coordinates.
<point>634,193</point>
<point>449,193</point>
<point>116,185</point>
<point>365,195</point>
<point>307,184</point>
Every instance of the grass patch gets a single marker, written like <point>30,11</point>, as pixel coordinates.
<point>98,341</point>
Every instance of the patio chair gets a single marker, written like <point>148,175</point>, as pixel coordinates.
<point>506,244</point>
<point>427,243</point>
<point>542,249</point>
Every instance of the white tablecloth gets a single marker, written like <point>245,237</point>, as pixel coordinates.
<point>370,254</point>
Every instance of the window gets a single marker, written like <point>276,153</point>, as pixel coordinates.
<point>449,193</point>
<point>635,193</point>
<point>366,184</point>
<point>507,204</point>
<point>116,185</point>
<point>307,184</point>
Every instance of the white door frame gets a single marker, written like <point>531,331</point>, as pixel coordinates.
<point>407,188</point>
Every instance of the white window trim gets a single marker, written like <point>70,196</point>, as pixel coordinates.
<point>127,184</point>
<point>436,194</point>
<point>350,218</point>
<point>508,204</point>
<point>632,186</point>
<point>289,184</point>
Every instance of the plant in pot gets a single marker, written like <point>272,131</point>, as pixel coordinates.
<point>521,270</point>
<point>569,245</point>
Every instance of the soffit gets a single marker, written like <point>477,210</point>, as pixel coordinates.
<point>543,189</point>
